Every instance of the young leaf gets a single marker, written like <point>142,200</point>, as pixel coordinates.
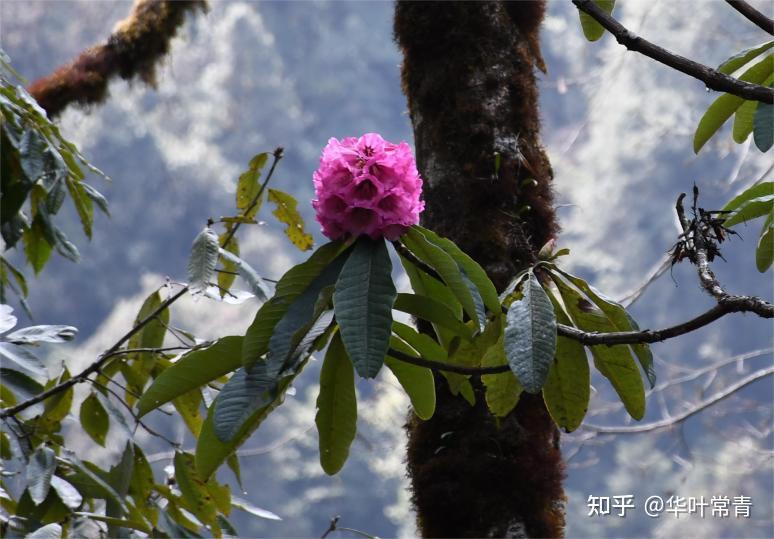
<point>763,126</point>
<point>444,264</point>
<point>530,336</point>
<point>94,419</point>
<point>191,371</point>
<point>248,186</point>
<point>287,213</point>
<point>336,417</point>
<point>362,302</point>
<point>36,248</point>
<point>40,470</point>
<point>204,257</point>
<point>727,104</point>
<point>417,382</point>
<point>591,28</point>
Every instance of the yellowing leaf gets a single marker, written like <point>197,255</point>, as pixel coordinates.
<point>287,213</point>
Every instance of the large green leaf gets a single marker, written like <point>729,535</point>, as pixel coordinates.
<point>424,344</point>
<point>568,386</point>
<point>336,417</point>
<point>530,336</point>
<point>621,320</point>
<point>433,311</point>
<point>470,267</point>
<point>192,370</point>
<point>287,213</point>
<point>289,287</point>
<point>418,382</point>
<point>94,419</point>
<point>614,362</point>
<point>591,28</point>
<point>362,303</point>
<point>40,470</point>
<point>742,57</point>
<point>727,104</point>
<point>36,247</point>
<point>204,257</point>
<point>445,266</point>
<point>763,126</point>
<point>211,452</point>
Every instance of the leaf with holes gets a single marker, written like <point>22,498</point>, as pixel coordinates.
<point>530,336</point>
<point>287,213</point>
<point>248,187</point>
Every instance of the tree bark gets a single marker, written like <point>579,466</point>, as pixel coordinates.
<point>468,75</point>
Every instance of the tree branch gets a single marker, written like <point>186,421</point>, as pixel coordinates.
<point>134,49</point>
<point>753,15</point>
<point>713,79</point>
<point>677,419</point>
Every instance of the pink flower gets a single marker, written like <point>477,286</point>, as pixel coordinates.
<point>367,185</point>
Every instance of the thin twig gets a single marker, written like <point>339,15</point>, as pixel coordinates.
<point>713,79</point>
<point>679,418</point>
<point>753,15</point>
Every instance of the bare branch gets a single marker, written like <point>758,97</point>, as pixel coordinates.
<point>713,79</point>
<point>679,418</point>
<point>753,15</point>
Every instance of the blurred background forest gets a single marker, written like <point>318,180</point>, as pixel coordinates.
<point>618,128</point>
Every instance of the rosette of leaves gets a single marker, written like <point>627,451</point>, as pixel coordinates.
<point>343,297</point>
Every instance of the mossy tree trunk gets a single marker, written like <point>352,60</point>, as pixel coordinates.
<point>468,74</point>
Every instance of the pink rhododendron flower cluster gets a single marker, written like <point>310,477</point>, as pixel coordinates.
<point>367,185</point>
